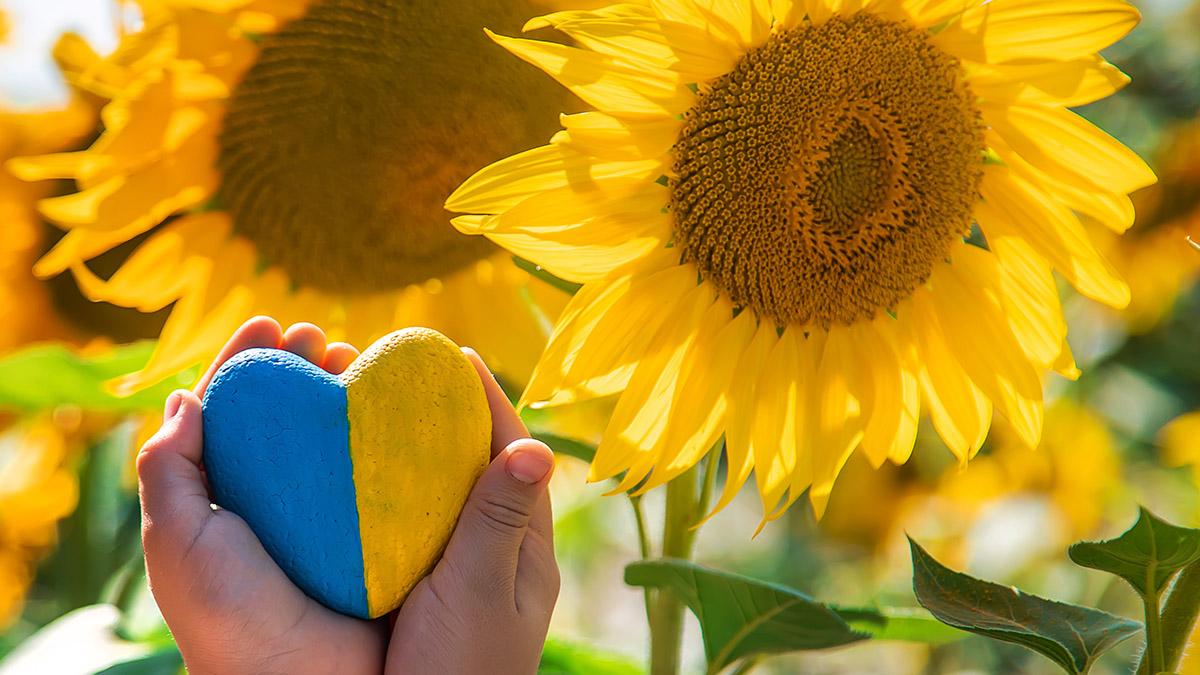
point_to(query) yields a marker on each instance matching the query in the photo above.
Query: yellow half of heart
(409, 393)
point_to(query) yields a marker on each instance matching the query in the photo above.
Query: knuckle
(505, 512)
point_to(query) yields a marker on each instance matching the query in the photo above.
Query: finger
(261, 331)
(507, 427)
(486, 544)
(171, 485)
(305, 340)
(506, 424)
(338, 357)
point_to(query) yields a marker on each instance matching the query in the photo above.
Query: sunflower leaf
(47, 376)
(1070, 635)
(742, 617)
(1147, 555)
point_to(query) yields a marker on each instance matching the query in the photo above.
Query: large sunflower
(798, 224)
(291, 158)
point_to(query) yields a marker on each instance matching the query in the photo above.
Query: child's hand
(485, 608)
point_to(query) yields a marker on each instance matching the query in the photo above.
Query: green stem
(666, 620)
(1154, 647)
(1178, 619)
(639, 517)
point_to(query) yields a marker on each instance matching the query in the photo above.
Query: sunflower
(36, 491)
(797, 224)
(291, 158)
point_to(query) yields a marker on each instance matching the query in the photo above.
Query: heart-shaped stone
(353, 483)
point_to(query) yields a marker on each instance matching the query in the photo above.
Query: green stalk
(643, 547)
(666, 620)
(1177, 620)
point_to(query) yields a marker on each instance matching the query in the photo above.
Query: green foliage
(1148, 555)
(166, 661)
(1070, 635)
(539, 272)
(901, 624)
(46, 376)
(560, 657)
(741, 617)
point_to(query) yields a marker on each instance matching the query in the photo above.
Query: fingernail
(173, 405)
(528, 467)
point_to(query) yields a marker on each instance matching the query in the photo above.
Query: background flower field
(73, 595)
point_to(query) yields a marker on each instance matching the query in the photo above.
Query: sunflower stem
(666, 620)
(639, 517)
(1178, 619)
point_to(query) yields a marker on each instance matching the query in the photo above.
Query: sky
(28, 77)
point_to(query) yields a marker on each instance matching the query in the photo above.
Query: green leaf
(742, 617)
(560, 657)
(1070, 635)
(165, 661)
(47, 376)
(900, 623)
(1146, 556)
(539, 272)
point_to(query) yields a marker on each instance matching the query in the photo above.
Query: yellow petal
(891, 404)
(585, 236)
(1061, 83)
(604, 331)
(1014, 207)
(838, 427)
(1114, 210)
(743, 409)
(1069, 148)
(608, 137)
(607, 84)
(501, 186)
(1010, 30)
(781, 409)
(707, 372)
(960, 412)
(634, 436)
(972, 319)
(1030, 298)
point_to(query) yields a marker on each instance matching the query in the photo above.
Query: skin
(485, 607)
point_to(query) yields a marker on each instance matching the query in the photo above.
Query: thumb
(486, 544)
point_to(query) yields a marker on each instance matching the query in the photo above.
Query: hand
(229, 606)
(485, 608)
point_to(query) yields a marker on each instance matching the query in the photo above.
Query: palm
(262, 610)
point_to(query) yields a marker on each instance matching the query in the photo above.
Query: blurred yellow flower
(788, 265)
(37, 489)
(1180, 441)
(291, 159)
(1076, 471)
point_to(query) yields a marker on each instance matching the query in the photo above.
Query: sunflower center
(821, 179)
(355, 122)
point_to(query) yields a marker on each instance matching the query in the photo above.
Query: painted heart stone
(352, 482)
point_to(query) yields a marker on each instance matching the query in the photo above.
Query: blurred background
(73, 596)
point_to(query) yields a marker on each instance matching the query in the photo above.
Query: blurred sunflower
(771, 212)
(291, 158)
(37, 489)
(1075, 472)
(1180, 442)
